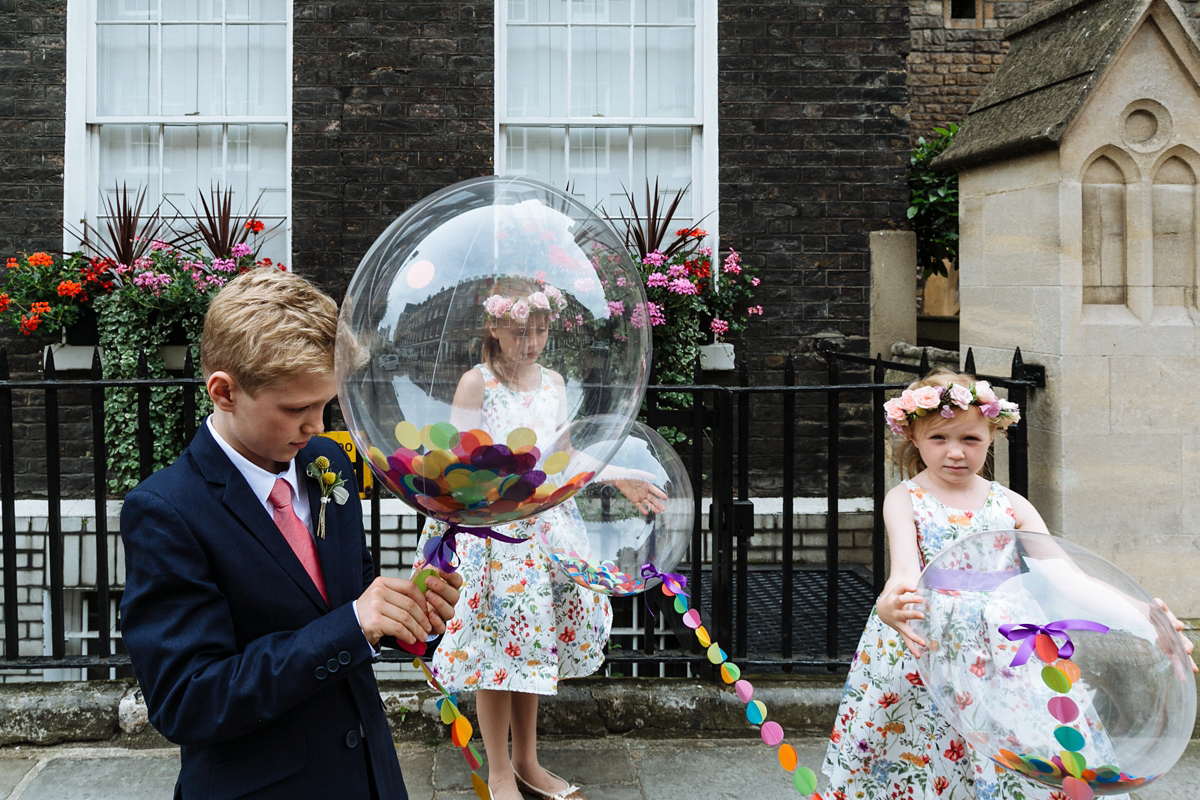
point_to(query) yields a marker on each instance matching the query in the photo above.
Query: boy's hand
(893, 609)
(440, 596)
(393, 607)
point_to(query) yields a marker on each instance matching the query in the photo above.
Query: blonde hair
(267, 327)
(906, 454)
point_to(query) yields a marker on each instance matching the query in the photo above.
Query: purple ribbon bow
(1027, 633)
(439, 551)
(674, 581)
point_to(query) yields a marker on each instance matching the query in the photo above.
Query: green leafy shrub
(933, 204)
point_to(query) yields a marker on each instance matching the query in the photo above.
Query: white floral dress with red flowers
(516, 627)
(888, 740)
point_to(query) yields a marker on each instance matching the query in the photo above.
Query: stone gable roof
(1056, 56)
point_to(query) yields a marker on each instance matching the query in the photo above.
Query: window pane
(599, 71)
(537, 11)
(600, 165)
(256, 75)
(666, 12)
(127, 63)
(256, 10)
(192, 10)
(126, 10)
(537, 152)
(666, 64)
(128, 156)
(610, 11)
(535, 57)
(191, 164)
(258, 167)
(666, 154)
(191, 69)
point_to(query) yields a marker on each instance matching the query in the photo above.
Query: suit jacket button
(352, 739)
(344, 658)
(332, 665)
(321, 673)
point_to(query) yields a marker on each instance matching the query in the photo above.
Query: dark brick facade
(391, 102)
(814, 147)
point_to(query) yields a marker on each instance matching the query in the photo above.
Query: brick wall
(814, 147)
(392, 101)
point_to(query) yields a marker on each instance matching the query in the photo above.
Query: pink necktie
(296, 533)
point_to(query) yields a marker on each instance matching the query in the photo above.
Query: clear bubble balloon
(619, 549)
(1054, 663)
(478, 332)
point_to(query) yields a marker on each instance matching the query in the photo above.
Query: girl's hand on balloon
(1188, 645)
(645, 496)
(896, 608)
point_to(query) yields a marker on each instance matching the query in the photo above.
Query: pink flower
(584, 284)
(615, 308)
(539, 302)
(520, 310)
(676, 271)
(983, 392)
(656, 314)
(654, 259)
(240, 250)
(960, 396)
(752, 310)
(733, 263)
(755, 281)
(497, 306)
(655, 279)
(927, 397)
(906, 401)
(682, 286)
(556, 296)
(719, 326)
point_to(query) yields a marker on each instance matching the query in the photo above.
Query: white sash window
(180, 96)
(605, 94)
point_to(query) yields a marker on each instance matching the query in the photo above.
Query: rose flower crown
(548, 300)
(915, 403)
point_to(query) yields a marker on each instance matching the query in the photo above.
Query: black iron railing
(775, 616)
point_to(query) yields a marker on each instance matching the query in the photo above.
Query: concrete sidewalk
(609, 768)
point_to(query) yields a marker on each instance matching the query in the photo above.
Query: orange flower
(41, 259)
(39, 308)
(70, 289)
(255, 226)
(29, 324)
(3, 302)
(13, 263)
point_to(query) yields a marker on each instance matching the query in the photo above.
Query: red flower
(914, 679)
(41, 260)
(4, 302)
(13, 263)
(567, 636)
(255, 226)
(963, 699)
(941, 783)
(70, 289)
(978, 667)
(29, 324)
(39, 308)
(889, 699)
(500, 676)
(513, 649)
(955, 752)
(473, 603)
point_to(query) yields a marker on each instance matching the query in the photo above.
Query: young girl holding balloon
(888, 739)
(517, 629)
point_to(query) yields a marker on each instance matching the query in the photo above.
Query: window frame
(81, 162)
(704, 168)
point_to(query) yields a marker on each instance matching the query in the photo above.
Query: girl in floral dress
(517, 630)
(888, 740)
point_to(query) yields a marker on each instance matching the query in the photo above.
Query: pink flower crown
(915, 403)
(549, 300)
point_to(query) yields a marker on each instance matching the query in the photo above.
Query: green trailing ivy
(933, 204)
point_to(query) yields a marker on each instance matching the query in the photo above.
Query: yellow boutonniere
(331, 486)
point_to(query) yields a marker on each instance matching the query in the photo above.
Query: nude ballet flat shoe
(572, 792)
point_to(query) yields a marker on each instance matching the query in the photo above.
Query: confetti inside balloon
(476, 257)
(1054, 663)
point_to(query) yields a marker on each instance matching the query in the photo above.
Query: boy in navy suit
(251, 624)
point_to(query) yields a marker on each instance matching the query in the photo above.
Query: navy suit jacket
(268, 690)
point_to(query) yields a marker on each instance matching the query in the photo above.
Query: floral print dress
(516, 626)
(889, 741)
